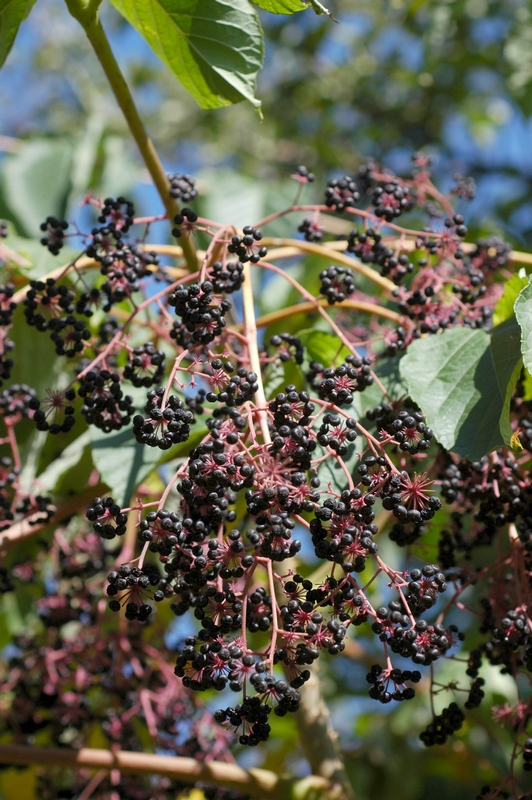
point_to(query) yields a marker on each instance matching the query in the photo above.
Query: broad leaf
(85, 159)
(36, 261)
(281, 374)
(123, 463)
(214, 47)
(36, 182)
(70, 459)
(508, 364)
(523, 312)
(119, 171)
(527, 386)
(387, 370)
(323, 347)
(461, 380)
(281, 6)
(505, 307)
(12, 13)
(330, 470)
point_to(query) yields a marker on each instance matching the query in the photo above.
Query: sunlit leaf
(12, 13)
(214, 47)
(323, 347)
(36, 182)
(281, 6)
(523, 312)
(505, 307)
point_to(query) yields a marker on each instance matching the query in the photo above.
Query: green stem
(87, 16)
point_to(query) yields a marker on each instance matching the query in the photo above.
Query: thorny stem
(88, 18)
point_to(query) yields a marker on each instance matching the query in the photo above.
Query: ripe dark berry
(246, 247)
(337, 283)
(55, 232)
(183, 187)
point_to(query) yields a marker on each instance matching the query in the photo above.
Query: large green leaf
(462, 380)
(523, 312)
(505, 307)
(12, 13)
(36, 182)
(281, 6)
(214, 47)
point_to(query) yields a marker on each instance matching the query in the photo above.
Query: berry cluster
(245, 247)
(337, 283)
(164, 425)
(339, 384)
(289, 450)
(201, 316)
(104, 403)
(55, 233)
(183, 187)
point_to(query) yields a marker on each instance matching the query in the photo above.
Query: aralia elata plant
(215, 442)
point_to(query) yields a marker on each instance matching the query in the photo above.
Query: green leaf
(120, 171)
(523, 312)
(214, 47)
(461, 380)
(330, 470)
(281, 6)
(508, 366)
(36, 364)
(85, 157)
(388, 372)
(70, 459)
(12, 13)
(281, 374)
(505, 307)
(527, 385)
(323, 347)
(37, 260)
(36, 182)
(123, 463)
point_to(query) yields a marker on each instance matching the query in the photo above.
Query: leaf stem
(87, 16)
(332, 255)
(304, 308)
(250, 331)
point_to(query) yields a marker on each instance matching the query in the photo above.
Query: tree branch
(23, 530)
(258, 783)
(319, 739)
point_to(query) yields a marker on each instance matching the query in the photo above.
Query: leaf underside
(12, 13)
(213, 47)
